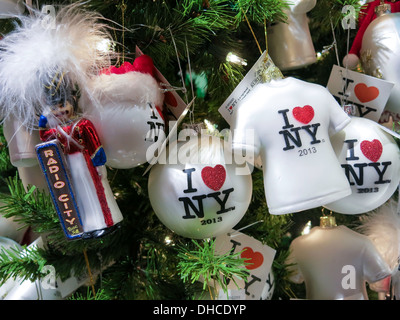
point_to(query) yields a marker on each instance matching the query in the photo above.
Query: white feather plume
(383, 228)
(39, 47)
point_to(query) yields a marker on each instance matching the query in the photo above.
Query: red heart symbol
(371, 149)
(255, 258)
(304, 114)
(214, 178)
(365, 93)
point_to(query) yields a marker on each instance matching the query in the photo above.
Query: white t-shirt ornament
(196, 192)
(290, 44)
(290, 122)
(335, 263)
(370, 158)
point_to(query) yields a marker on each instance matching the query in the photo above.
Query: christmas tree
(194, 45)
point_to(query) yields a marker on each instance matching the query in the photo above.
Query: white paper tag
(259, 255)
(359, 94)
(252, 78)
(233, 294)
(172, 134)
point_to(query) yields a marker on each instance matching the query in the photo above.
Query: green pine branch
(200, 262)
(88, 294)
(260, 11)
(30, 208)
(24, 265)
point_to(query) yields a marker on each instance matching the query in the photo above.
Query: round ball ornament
(370, 159)
(195, 191)
(126, 108)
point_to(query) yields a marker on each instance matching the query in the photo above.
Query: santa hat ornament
(41, 46)
(127, 112)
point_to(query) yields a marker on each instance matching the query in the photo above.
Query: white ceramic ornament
(380, 51)
(289, 43)
(370, 159)
(288, 123)
(127, 115)
(201, 195)
(334, 263)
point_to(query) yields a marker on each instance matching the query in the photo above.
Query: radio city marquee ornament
(52, 161)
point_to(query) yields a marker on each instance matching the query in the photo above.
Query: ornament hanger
(327, 221)
(271, 71)
(237, 232)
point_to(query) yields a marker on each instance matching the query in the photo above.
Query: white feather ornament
(42, 46)
(383, 228)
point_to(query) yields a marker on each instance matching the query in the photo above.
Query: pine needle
(202, 263)
(24, 265)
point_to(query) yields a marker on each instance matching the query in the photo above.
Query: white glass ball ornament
(380, 52)
(370, 159)
(126, 110)
(195, 192)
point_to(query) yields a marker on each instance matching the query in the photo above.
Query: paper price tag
(263, 66)
(232, 294)
(359, 94)
(157, 149)
(253, 77)
(176, 112)
(259, 258)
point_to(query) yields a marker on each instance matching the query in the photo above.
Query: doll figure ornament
(97, 210)
(41, 66)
